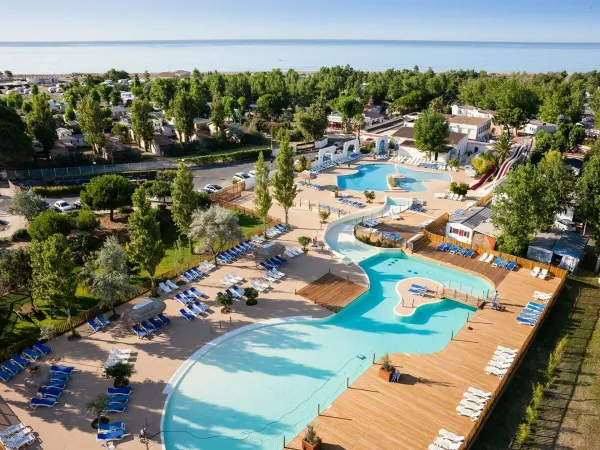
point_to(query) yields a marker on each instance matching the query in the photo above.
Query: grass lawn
(568, 415)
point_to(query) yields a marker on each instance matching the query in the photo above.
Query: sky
(463, 20)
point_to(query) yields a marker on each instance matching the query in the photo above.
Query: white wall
(322, 143)
(458, 237)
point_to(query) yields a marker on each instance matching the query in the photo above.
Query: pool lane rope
(248, 434)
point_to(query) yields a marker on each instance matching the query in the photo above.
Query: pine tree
(185, 199)
(284, 188)
(262, 197)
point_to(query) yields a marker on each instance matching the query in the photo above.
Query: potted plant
(96, 409)
(304, 241)
(324, 215)
(311, 440)
(369, 196)
(251, 295)
(386, 370)
(120, 372)
(226, 301)
(335, 189)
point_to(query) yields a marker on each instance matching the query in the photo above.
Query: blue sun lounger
(418, 286)
(94, 325)
(32, 354)
(48, 402)
(441, 246)
(102, 320)
(280, 260)
(534, 305)
(60, 376)
(420, 292)
(189, 296)
(115, 435)
(164, 319)
(186, 277)
(238, 290)
(10, 366)
(60, 384)
(62, 369)
(119, 398)
(200, 306)
(182, 299)
(116, 407)
(503, 263)
(197, 272)
(156, 323)
(511, 265)
(222, 259)
(196, 292)
(107, 427)
(195, 310)
(122, 390)
(233, 294)
(525, 321)
(5, 376)
(470, 253)
(266, 266)
(497, 261)
(52, 392)
(140, 333)
(148, 327)
(18, 359)
(454, 248)
(187, 315)
(461, 251)
(42, 348)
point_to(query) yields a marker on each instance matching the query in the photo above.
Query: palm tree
(358, 122)
(502, 148)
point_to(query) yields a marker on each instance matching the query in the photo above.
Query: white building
(42, 80)
(462, 228)
(404, 138)
(535, 125)
(471, 111)
(477, 128)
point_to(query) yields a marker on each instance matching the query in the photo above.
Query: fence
(229, 193)
(485, 414)
(89, 170)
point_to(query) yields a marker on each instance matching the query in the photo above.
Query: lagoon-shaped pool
(251, 390)
(373, 177)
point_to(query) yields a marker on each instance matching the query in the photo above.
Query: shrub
(58, 191)
(21, 235)
(120, 371)
(87, 220)
(311, 435)
(523, 432)
(531, 414)
(304, 241)
(386, 363)
(80, 243)
(453, 162)
(459, 188)
(324, 215)
(251, 296)
(369, 196)
(240, 155)
(48, 223)
(224, 300)
(481, 165)
(392, 181)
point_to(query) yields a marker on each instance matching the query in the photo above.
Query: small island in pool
(373, 177)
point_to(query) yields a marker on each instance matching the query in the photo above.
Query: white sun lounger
(257, 286)
(483, 257)
(475, 399)
(268, 277)
(479, 392)
(451, 436)
(434, 447)
(473, 415)
(490, 370)
(233, 277)
(503, 357)
(490, 258)
(543, 274)
(498, 364)
(227, 282)
(535, 272)
(163, 287)
(446, 443)
(471, 405)
(511, 351)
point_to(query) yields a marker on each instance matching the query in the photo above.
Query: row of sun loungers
(537, 295)
(273, 263)
(456, 249)
(530, 314)
(117, 356)
(392, 236)
(234, 252)
(471, 405)
(316, 168)
(373, 222)
(18, 363)
(347, 201)
(17, 436)
(417, 289)
(151, 326)
(416, 208)
(501, 361)
(98, 323)
(316, 187)
(504, 263)
(539, 273)
(117, 402)
(446, 440)
(277, 230)
(332, 209)
(48, 394)
(292, 252)
(110, 431)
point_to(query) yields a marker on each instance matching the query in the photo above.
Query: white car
(252, 173)
(565, 225)
(241, 176)
(213, 188)
(62, 206)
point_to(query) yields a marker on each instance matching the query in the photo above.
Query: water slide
(490, 172)
(518, 155)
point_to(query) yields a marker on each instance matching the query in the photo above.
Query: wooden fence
(485, 414)
(229, 193)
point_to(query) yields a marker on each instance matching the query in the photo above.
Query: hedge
(57, 191)
(229, 157)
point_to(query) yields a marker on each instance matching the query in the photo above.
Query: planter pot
(309, 446)
(385, 375)
(335, 194)
(103, 420)
(121, 383)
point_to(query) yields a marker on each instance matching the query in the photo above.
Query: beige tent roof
(268, 251)
(144, 311)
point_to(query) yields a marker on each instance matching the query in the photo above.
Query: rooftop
(473, 218)
(466, 120)
(409, 132)
(571, 244)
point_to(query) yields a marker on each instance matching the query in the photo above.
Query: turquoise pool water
(374, 178)
(253, 389)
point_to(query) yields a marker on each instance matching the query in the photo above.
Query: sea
(301, 55)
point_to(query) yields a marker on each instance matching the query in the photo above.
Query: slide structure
(516, 157)
(483, 179)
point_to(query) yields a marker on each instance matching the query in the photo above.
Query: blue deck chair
(535, 305)
(42, 348)
(265, 266)
(48, 402)
(140, 333)
(447, 247)
(50, 392)
(182, 299)
(116, 407)
(94, 325)
(18, 359)
(156, 323)
(454, 248)
(503, 263)
(238, 290)
(230, 255)
(233, 294)
(530, 312)
(60, 376)
(102, 320)
(10, 366)
(470, 253)
(32, 354)
(497, 261)
(186, 277)
(164, 319)
(5, 376)
(119, 398)
(418, 286)
(200, 306)
(196, 292)
(196, 311)
(121, 390)
(417, 292)
(280, 259)
(62, 369)
(197, 272)
(60, 384)
(461, 251)
(106, 427)
(441, 246)
(187, 315)
(220, 258)
(511, 265)
(526, 321)
(188, 296)
(148, 327)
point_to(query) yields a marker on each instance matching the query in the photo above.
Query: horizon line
(140, 41)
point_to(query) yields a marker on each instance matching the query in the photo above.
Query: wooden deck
(332, 292)
(408, 415)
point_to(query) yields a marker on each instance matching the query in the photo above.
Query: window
(462, 233)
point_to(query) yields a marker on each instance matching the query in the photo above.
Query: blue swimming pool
(253, 389)
(373, 177)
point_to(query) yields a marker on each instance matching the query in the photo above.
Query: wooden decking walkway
(332, 292)
(408, 415)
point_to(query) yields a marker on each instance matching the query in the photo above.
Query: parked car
(565, 225)
(208, 191)
(252, 173)
(46, 204)
(241, 176)
(62, 206)
(77, 203)
(213, 188)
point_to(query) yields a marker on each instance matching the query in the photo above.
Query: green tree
(40, 121)
(160, 189)
(217, 113)
(87, 220)
(27, 204)
(14, 100)
(106, 276)
(162, 92)
(93, 122)
(53, 280)
(559, 182)
(304, 241)
(69, 114)
(518, 119)
(359, 122)
(502, 118)
(107, 192)
(15, 270)
(312, 122)
(14, 142)
(185, 199)
(35, 90)
(183, 109)
(576, 136)
(267, 106)
(588, 197)
(595, 106)
(349, 107)
(251, 295)
(284, 188)
(502, 148)
(225, 300)
(47, 223)
(141, 122)
(216, 228)
(324, 215)
(145, 246)
(121, 131)
(262, 196)
(369, 196)
(431, 132)
(242, 107)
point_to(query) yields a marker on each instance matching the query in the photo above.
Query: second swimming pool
(373, 177)
(253, 389)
